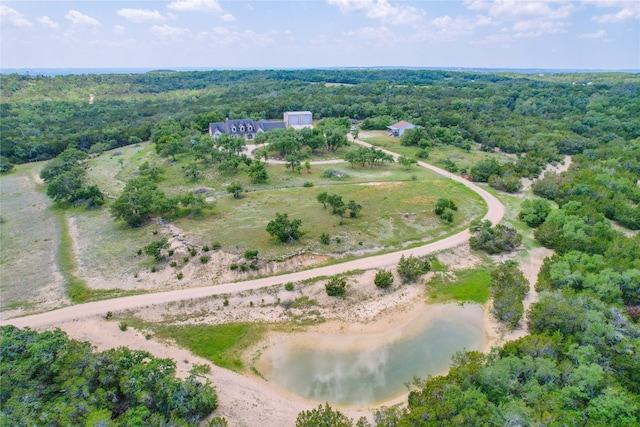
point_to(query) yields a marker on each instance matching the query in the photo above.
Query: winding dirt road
(244, 401)
(494, 214)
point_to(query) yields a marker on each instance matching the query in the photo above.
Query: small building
(243, 128)
(298, 119)
(398, 129)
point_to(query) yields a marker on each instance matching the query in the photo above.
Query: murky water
(362, 370)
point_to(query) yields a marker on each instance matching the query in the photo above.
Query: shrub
(185, 259)
(204, 259)
(123, 326)
(251, 255)
(153, 268)
(443, 204)
(412, 268)
(493, 240)
(447, 216)
(216, 245)
(325, 239)
(193, 251)
(383, 279)
(180, 275)
(336, 286)
(205, 248)
(289, 286)
(173, 264)
(225, 302)
(154, 248)
(308, 184)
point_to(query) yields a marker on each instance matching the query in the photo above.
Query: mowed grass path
(28, 240)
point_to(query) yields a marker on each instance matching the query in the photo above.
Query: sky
(214, 34)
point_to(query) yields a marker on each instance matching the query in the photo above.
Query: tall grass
(77, 288)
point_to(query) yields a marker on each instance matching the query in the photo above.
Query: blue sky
(552, 34)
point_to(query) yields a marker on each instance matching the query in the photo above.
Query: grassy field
(221, 344)
(437, 153)
(397, 208)
(464, 286)
(28, 240)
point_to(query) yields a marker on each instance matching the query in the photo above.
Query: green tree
(443, 204)
(286, 230)
(415, 136)
(66, 186)
(323, 198)
(323, 416)
(336, 138)
(354, 208)
(481, 171)
(110, 388)
(5, 165)
(407, 162)
(140, 199)
(235, 188)
(258, 172)
(534, 212)
(508, 288)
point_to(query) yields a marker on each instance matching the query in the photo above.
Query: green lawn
(466, 286)
(221, 344)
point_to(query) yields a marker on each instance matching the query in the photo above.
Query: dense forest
(580, 365)
(41, 116)
(48, 379)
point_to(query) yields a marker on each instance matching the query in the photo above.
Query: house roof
(228, 125)
(298, 112)
(400, 125)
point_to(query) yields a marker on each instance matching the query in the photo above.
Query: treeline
(48, 379)
(41, 116)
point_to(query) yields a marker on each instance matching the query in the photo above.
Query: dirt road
(495, 213)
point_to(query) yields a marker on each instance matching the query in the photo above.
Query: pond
(361, 370)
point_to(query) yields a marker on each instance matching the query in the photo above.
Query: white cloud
(48, 22)
(225, 36)
(537, 28)
(380, 9)
(119, 29)
(378, 34)
(141, 15)
(630, 13)
(80, 19)
(13, 18)
(597, 35)
(548, 9)
(195, 5)
(228, 17)
(168, 31)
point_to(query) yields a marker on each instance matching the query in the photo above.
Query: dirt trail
(243, 400)
(495, 212)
